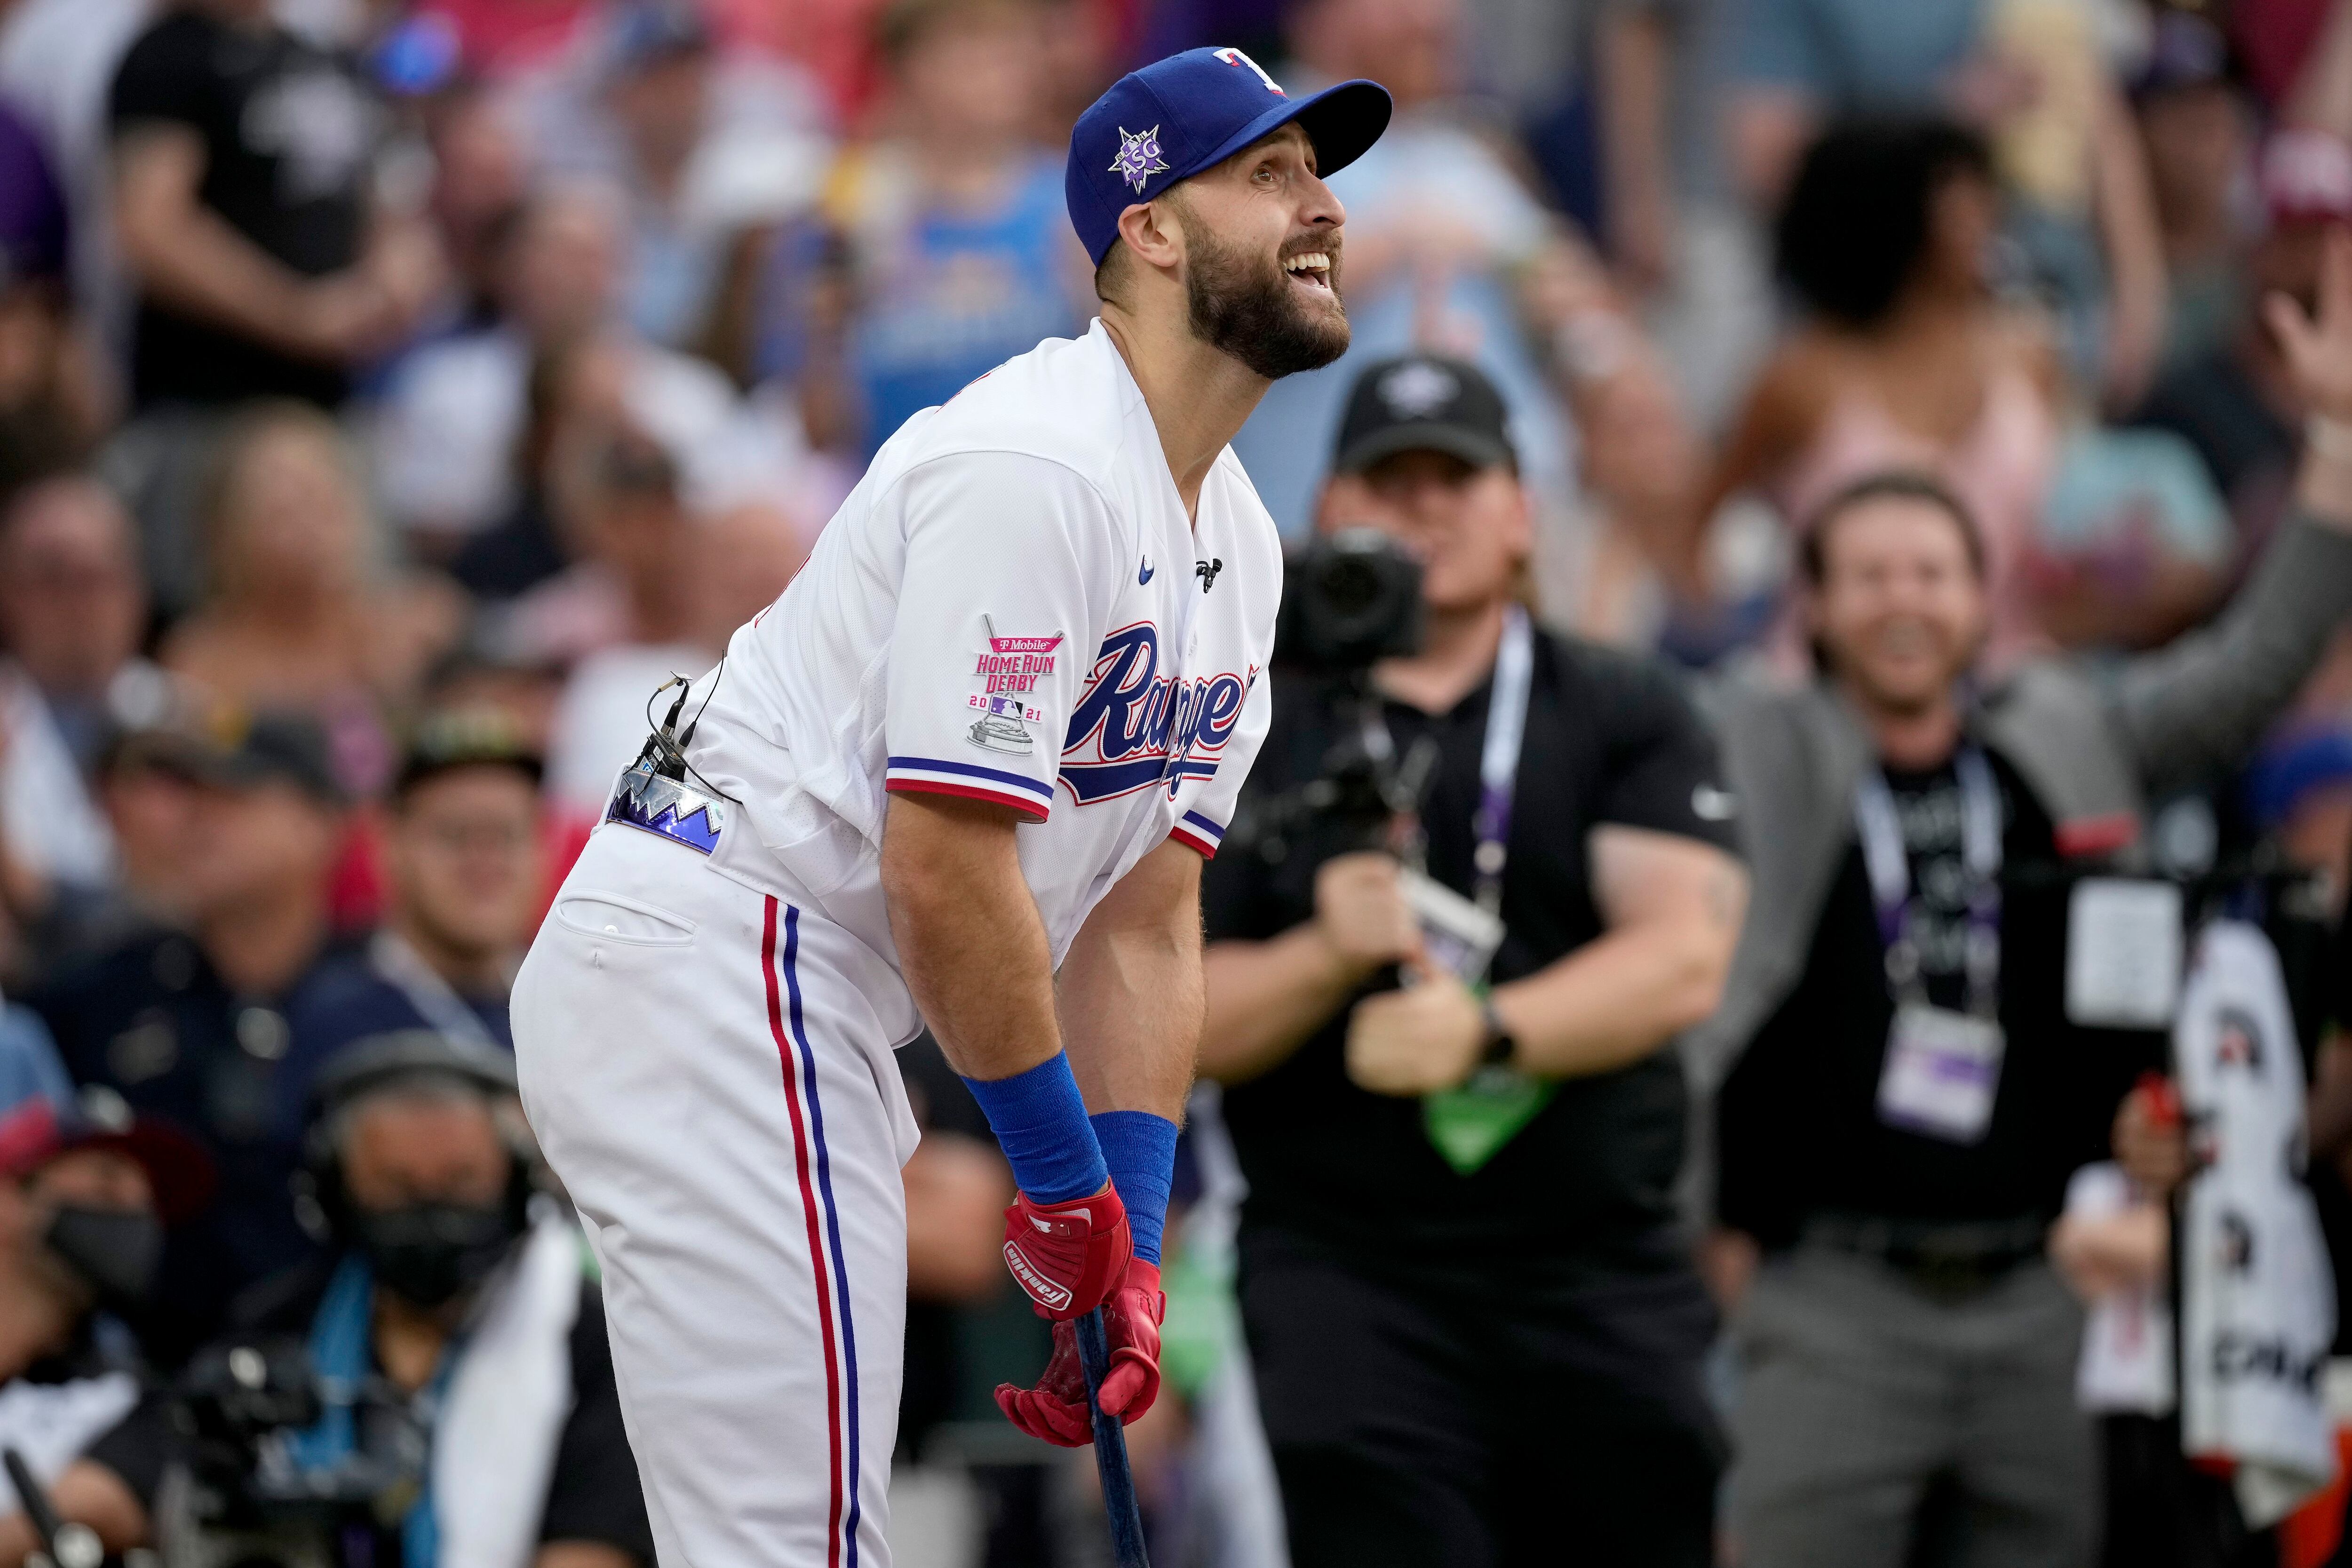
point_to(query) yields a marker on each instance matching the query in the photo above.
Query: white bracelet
(2329, 439)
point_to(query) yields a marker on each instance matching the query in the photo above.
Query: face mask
(116, 1251)
(428, 1253)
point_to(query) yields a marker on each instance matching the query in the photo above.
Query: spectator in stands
(942, 248)
(244, 165)
(1471, 1317)
(1905, 357)
(444, 440)
(2237, 403)
(49, 411)
(1917, 1084)
(85, 1193)
(733, 567)
(1447, 248)
(196, 1026)
(293, 616)
(2034, 79)
(244, 182)
(465, 857)
(2198, 128)
(446, 1280)
(72, 608)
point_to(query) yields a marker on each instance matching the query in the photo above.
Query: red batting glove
(1066, 1256)
(1055, 1409)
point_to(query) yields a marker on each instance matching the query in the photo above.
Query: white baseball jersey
(1013, 605)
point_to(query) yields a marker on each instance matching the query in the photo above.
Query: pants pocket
(616, 917)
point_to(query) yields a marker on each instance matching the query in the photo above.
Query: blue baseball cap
(1190, 111)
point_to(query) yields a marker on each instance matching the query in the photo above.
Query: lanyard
(1499, 758)
(1889, 867)
(401, 968)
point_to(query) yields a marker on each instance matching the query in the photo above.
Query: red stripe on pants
(815, 1244)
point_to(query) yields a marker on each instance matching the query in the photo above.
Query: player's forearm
(969, 941)
(1265, 998)
(1129, 990)
(1617, 999)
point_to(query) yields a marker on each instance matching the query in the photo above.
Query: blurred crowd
(395, 394)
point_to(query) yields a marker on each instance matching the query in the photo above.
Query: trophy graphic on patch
(1002, 728)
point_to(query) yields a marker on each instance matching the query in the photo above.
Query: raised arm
(2197, 705)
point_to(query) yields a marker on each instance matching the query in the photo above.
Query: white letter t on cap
(1235, 57)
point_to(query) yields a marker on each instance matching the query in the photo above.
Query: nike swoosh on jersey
(1143, 574)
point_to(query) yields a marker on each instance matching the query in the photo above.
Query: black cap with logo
(1423, 403)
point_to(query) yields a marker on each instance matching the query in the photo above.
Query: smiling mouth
(1310, 268)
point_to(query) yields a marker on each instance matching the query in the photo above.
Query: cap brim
(1473, 446)
(1342, 122)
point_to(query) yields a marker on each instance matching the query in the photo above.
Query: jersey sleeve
(1010, 568)
(161, 79)
(1663, 771)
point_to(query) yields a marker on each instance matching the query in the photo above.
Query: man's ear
(1150, 231)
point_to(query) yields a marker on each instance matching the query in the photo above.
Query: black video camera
(241, 1406)
(1348, 600)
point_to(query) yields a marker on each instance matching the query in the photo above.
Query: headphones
(322, 1202)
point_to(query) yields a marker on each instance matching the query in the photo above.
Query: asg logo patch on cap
(1139, 156)
(1419, 390)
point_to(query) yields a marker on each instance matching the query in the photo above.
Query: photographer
(1471, 1316)
(469, 1409)
(1940, 1014)
(85, 1191)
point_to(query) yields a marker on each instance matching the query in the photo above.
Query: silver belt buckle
(668, 809)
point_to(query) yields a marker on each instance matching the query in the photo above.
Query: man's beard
(1242, 304)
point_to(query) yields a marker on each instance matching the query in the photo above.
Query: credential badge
(1139, 156)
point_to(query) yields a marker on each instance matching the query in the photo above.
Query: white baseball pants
(707, 1077)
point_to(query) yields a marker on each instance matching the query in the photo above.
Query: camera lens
(1350, 587)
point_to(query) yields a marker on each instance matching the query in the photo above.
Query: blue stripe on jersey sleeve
(970, 769)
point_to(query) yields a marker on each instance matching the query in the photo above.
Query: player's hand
(1418, 1040)
(1066, 1256)
(1056, 1410)
(1361, 915)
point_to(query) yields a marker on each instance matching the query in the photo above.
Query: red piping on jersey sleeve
(1025, 804)
(1191, 840)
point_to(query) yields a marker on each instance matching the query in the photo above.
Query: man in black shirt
(1940, 1005)
(244, 176)
(1475, 1328)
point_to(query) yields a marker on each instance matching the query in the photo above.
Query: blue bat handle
(1110, 1448)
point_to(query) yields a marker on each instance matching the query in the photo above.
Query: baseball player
(964, 771)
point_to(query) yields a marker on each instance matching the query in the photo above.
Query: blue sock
(1140, 1151)
(1040, 1122)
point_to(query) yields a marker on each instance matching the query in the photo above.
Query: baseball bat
(1110, 1448)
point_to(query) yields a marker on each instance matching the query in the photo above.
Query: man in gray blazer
(1916, 838)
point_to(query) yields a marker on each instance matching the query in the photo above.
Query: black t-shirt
(593, 1494)
(290, 134)
(1799, 1130)
(1609, 739)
